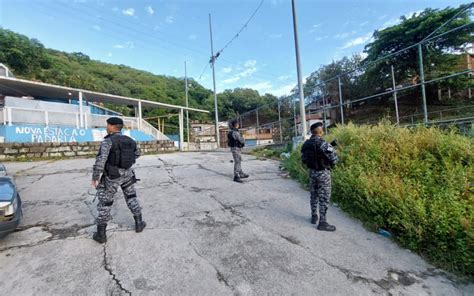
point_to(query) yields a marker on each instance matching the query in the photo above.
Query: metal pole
(298, 69)
(279, 120)
(340, 99)
(213, 59)
(187, 100)
(324, 116)
(422, 77)
(395, 95)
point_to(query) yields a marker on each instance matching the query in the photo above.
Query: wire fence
(424, 83)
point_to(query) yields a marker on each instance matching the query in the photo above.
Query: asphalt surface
(206, 235)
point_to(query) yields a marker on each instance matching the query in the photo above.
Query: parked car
(10, 204)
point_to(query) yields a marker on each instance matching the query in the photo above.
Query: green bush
(416, 183)
(271, 151)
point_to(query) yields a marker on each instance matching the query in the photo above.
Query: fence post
(422, 78)
(5, 116)
(279, 121)
(257, 128)
(46, 119)
(395, 95)
(294, 116)
(340, 99)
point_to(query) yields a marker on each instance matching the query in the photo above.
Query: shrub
(416, 183)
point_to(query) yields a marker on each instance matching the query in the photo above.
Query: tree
(439, 54)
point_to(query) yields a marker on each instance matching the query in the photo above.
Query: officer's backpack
(233, 142)
(122, 153)
(311, 154)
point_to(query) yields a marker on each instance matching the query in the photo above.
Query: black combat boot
(100, 236)
(314, 218)
(324, 226)
(244, 175)
(139, 223)
(237, 179)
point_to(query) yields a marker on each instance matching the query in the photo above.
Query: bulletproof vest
(312, 154)
(122, 153)
(231, 141)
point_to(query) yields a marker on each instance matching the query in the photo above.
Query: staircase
(151, 130)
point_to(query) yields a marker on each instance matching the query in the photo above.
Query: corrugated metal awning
(20, 87)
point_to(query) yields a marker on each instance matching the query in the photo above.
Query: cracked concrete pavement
(206, 235)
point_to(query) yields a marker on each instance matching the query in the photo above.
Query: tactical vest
(231, 141)
(121, 155)
(312, 155)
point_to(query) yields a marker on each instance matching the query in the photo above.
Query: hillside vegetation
(416, 183)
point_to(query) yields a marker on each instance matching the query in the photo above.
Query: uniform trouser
(237, 154)
(320, 187)
(106, 191)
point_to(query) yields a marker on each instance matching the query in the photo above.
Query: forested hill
(28, 58)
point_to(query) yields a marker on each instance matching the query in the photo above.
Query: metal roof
(20, 87)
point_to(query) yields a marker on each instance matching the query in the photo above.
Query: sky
(160, 35)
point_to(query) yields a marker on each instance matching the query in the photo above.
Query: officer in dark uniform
(236, 142)
(319, 156)
(113, 167)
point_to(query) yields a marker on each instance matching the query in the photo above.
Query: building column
(139, 114)
(81, 111)
(181, 130)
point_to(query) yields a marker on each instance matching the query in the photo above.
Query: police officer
(319, 156)
(113, 167)
(236, 142)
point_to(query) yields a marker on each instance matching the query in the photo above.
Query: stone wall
(26, 151)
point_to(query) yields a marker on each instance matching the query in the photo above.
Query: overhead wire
(108, 21)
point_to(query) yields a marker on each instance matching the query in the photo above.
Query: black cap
(233, 122)
(316, 125)
(115, 121)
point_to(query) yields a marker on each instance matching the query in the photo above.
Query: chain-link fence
(425, 83)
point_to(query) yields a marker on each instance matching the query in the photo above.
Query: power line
(262, 74)
(378, 60)
(240, 31)
(448, 21)
(214, 57)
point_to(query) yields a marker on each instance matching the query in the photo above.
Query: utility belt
(112, 172)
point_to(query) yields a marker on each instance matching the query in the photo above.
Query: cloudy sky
(159, 35)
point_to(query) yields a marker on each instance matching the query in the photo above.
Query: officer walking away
(113, 167)
(319, 156)
(236, 142)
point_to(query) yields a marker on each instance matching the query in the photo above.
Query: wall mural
(60, 134)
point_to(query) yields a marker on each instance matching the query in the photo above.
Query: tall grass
(416, 183)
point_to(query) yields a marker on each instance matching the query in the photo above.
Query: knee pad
(129, 197)
(107, 203)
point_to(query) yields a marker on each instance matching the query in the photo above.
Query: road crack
(107, 267)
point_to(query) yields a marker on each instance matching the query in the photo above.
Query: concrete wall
(26, 151)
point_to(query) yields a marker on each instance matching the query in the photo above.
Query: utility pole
(212, 61)
(298, 69)
(187, 101)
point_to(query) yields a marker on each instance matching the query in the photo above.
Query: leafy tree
(439, 57)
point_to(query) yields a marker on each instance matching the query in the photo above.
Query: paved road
(206, 235)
